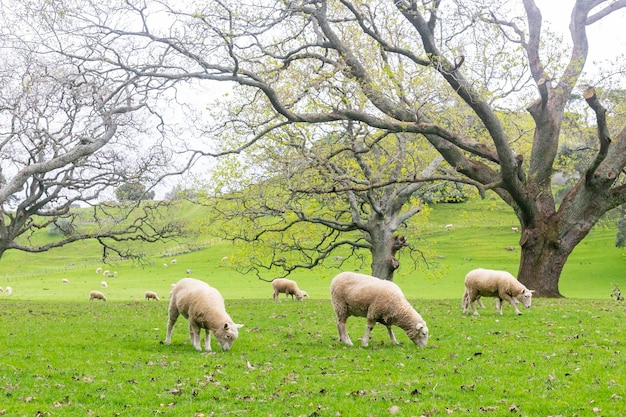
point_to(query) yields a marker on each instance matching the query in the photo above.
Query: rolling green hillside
(481, 236)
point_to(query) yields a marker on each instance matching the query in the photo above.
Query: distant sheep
(96, 295)
(492, 283)
(173, 262)
(514, 229)
(104, 284)
(151, 295)
(204, 307)
(164, 265)
(188, 271)
(8, 290)
(114, 274)
(65, 281)
(449, 226)
(378, 300)
(98, 270)
(287, 287)
(106, 272)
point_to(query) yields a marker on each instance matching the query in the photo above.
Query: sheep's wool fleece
(195, 295)
(360, 291)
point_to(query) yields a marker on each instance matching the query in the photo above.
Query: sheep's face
(526, 298)
(227, 335)
(420, 335)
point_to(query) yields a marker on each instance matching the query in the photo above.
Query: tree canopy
(444, 73)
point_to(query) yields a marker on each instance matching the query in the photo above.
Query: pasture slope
(61, 355)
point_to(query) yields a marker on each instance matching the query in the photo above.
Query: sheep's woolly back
(361, 295)
(288, 287)
(194, 296)
(490, 282)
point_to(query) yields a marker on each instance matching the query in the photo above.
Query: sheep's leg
(499, 305)
(172, 317)
(392, 336)
(471, 303)
(275, 296)
(343, 333)
(194, 334)
(368, 329)
(480, 302)
(514, 302)
(207, 341)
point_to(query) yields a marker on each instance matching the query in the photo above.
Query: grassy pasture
(561, 357)
(64, 356)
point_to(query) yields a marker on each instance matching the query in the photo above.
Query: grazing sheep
(164, 265)
(151, 295)
(288, 287)
(65, 281)
(98, 270)
(97, 295)
(104, 284)
(449, 226)
(204, 307)
(188, 271)
(8, 290)
(106, 272)
(499, 284)
(114, 274)
(378, 300)
(173, 261)
(514, 229)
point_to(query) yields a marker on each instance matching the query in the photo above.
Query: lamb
(204, 307)
(151, 295)
(65, 281)
(492, 283)
(288, 287)
(378, 300)
(96, 295)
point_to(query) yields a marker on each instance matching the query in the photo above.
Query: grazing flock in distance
(352, 294)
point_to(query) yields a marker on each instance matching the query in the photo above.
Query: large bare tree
(418, 66)
(69, 135)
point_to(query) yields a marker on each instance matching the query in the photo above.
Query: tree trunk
(545, 249)
(384, 246)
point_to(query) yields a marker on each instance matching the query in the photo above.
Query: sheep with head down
(204, 308)
(287, 287)
(379, 301)
(493, 283)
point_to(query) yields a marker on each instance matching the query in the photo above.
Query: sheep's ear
(239, 326)
(532, 291)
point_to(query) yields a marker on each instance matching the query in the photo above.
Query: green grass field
(61, 355)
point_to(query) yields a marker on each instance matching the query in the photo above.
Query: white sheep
(151, 295)
(96, 295)
(8, 290)
(65, 281)
(98, 270)
(378, 300)
(492, 283)
(173, 262)
(287, 287)
(449, 226)
(164, 265)
(106, 272)
(204, 307)
(104, 284)
(1, 290)
(515, 229)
